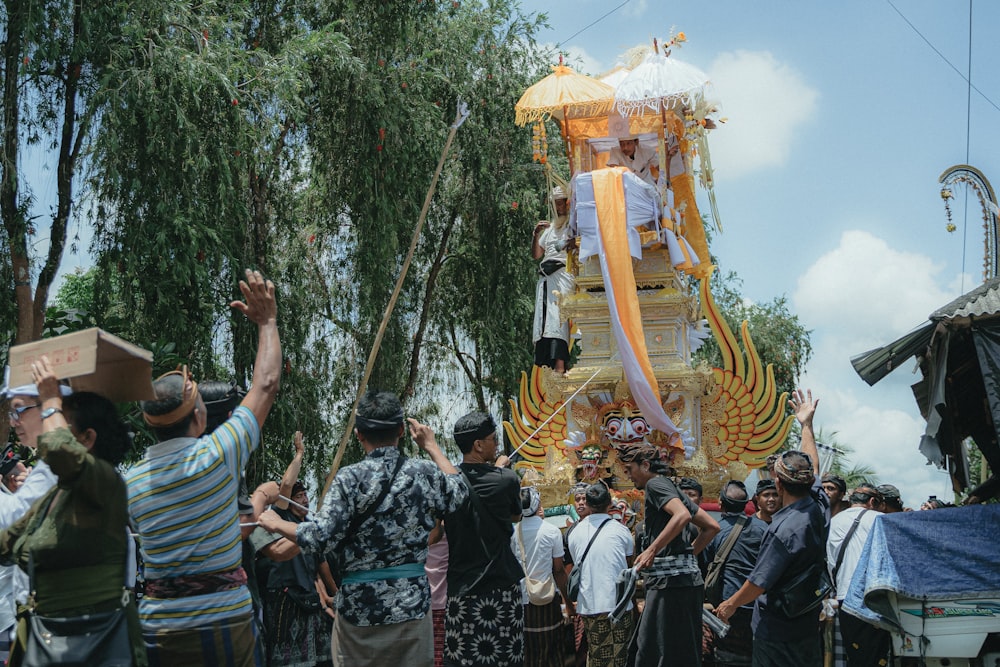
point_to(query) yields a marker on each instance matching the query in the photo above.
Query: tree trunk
(418, 337)
(13, 218)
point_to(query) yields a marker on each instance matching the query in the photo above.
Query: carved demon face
(624, 424)
(591, 463)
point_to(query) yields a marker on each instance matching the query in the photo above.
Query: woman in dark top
(76, 534)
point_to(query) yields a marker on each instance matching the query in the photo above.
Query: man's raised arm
(805, 408)
(260, 307)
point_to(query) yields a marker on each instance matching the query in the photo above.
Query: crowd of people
(410, 561)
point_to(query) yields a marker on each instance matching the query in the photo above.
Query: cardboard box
(92, 360)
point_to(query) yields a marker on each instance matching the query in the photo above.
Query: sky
(841, 119)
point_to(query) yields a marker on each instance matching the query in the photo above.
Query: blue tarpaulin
(944, 554)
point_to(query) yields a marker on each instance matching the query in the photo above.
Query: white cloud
(858, 296)
(766, 103)
(866, 291)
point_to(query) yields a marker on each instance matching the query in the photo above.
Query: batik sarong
(607, 644)
(486, 629)
(544, 634)
(406, 644)
(295, 637)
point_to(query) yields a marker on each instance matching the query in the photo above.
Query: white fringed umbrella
(658, 84)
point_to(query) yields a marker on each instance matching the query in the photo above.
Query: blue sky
(841, 120)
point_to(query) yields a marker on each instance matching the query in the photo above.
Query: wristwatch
(48, 412)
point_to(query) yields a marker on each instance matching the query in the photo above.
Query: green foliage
(778, 335)
(300, 138)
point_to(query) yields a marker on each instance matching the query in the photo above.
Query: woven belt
(187, 585)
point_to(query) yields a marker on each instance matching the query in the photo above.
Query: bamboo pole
(460, 117)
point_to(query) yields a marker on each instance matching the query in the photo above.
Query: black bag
(307, 601)
(713, 578)
(803, 593)
(91, 640)
(573, 587)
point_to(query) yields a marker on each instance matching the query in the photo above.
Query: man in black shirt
(484, 624)
(670, 629)
(737, 646)
(794, 545)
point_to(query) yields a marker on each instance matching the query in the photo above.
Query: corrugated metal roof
(984, 300)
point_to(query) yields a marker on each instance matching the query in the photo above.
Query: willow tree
(300, 138)
(53, 55)
(387, 126)
(198, 165)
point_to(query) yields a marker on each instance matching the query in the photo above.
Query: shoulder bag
(573, 589)
(713, 578)
(843, 548)
(540, 592)
(101, 638)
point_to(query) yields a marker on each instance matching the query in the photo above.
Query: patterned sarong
(438, 618)
(486, 629)
(229, 644)
(544, 634)
(295, 637)
(607, 644)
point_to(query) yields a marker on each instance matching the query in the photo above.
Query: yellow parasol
(562, 93)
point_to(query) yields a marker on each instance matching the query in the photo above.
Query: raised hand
(259, 304)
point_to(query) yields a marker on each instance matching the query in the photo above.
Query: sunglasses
(15, 413)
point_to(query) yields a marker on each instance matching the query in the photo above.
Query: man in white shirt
(609, 548)
(539, 548)
(860, 643)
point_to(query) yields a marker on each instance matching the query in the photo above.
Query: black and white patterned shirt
(395, 534)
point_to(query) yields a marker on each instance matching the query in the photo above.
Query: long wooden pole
(460, 117)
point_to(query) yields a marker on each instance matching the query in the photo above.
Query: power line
(941, 55)
(591, 25)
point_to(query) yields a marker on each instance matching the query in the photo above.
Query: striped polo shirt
(182, 500)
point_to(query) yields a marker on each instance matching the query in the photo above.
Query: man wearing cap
(182, 501)
(793, 550)
(893, 502)
(670, 627)
(484, 624)
(550, 333)
(26, 415)
(766, 500)
(608, 548)
(836, 488)
(375, 522)
(860, 643)
(736, 648)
